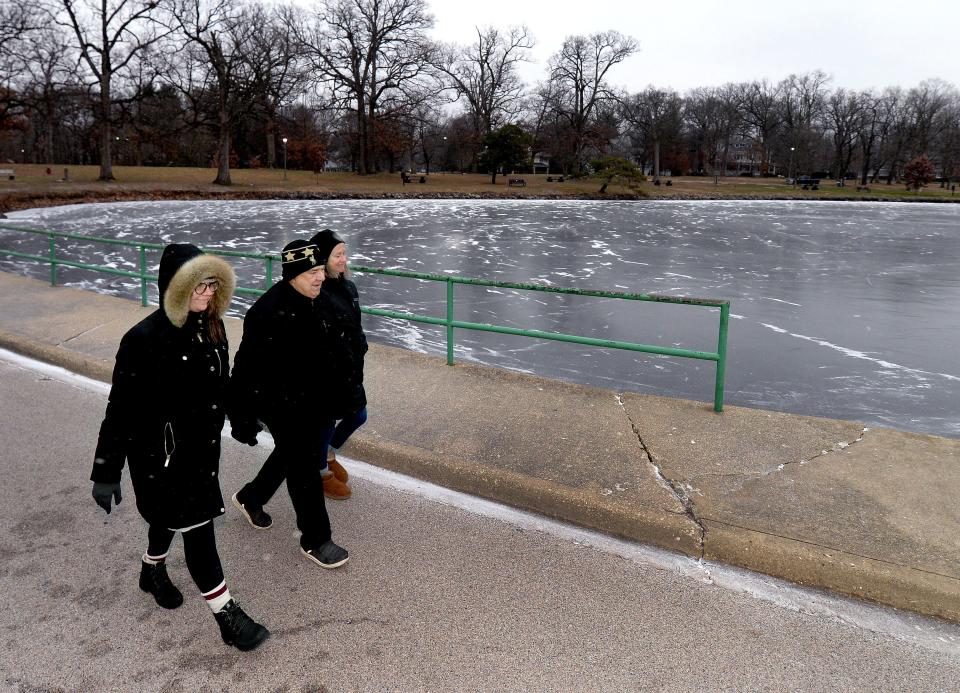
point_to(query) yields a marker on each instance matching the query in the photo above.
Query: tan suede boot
(337, 469)
(335, 489)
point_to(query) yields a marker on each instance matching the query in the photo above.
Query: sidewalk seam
(675, 487)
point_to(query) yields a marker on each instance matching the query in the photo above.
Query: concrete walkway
(871, 513)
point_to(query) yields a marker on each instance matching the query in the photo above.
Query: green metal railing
(719, 356)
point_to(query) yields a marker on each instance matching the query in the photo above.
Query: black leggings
(199, 550)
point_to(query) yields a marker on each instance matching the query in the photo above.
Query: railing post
(268, 272)
(53, 260)
(450, 321)
(721, 357)
(143, 277)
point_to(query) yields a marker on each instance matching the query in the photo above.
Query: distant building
(541, 162)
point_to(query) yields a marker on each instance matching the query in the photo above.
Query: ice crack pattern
(845, 310)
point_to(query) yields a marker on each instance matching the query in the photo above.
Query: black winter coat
(275, 371)
(166, 409)
(342, 303)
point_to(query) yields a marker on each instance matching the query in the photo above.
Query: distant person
(164, 416)
(348, 399)
(278, 378)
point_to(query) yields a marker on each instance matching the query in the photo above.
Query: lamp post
(793, 181)
(284, 140)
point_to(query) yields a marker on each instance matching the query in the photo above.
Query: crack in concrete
(80, 334)
(842, 445)
(678, 489)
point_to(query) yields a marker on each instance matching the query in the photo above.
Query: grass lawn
(34, 186)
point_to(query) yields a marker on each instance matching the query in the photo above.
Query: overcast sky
(690, 43)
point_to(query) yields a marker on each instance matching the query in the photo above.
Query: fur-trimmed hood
(182, 267)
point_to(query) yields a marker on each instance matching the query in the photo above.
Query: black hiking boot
(154, 579)
(238, 629)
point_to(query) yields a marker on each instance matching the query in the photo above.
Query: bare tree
(278, 70)
(896, 135)
(46, 86)
(367, 49)
(925, 103)
(656, 114)
(845, 113)
(949, 149)
(803, 98)
(871, 130)
(762, 116)
(579, 76)
(17, 18)
(485, 74)
(713, 115)
(109, 33)
(220, 34)
(538, 110)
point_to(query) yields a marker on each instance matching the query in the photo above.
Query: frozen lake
(845, 310)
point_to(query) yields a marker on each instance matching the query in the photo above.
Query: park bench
(7, 173)
(550, 179)
(516, 181)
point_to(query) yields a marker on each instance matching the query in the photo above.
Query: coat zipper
(173, 443)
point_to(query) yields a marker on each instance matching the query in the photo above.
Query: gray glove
(102, 493)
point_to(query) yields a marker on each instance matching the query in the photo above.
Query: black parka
(166, 406)
(275, 372)
(342, 304)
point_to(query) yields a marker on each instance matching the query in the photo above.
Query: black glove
(244, 432)
(103, 492)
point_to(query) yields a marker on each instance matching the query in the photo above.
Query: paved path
(434, 598)
(825, 503)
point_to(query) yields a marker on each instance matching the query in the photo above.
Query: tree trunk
(866, 169)
(271, 142)
(106, 165)
(361, 140)
(223, 165)
(656, 162)
(372, 163)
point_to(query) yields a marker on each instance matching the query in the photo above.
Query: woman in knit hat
(164, 417)
(342, 302)
(275, 381)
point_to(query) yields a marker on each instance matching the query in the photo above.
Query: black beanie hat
(299, 256)
(326, 241)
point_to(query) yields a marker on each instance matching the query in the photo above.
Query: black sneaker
(154, 579)
(327, 555)
(257, 517)
(238, 629)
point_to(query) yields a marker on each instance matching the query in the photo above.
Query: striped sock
(218, 597)
(154, 560)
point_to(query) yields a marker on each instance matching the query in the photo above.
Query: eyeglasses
(203, 286)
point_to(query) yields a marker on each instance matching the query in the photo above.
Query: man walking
(275, 381)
